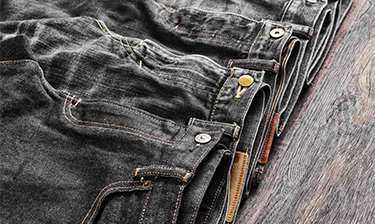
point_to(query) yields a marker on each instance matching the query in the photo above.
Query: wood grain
(321, 170)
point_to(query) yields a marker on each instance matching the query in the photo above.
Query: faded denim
(100, 112)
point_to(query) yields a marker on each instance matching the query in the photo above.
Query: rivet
(203, 138)
(277, 33)
(245, 80)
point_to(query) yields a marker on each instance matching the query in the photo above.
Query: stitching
(34, 62)
(178, 199)
(135, 111)
(204, 154)
(227, 14)
(111, 189)
(102, 128)
(147, 199)
(253, 60)
(108, 33)
(234, 133)
(256, 41)
(192, 122)
(286, 10)
(92, 206)
(239, 187)
(249, 65)
(161, 173)
(282, 74)
(310, 32)
(215, 124)
(278, 53)
(216, 193)
(217, 100)
(199, 199)
(164, 167)
(207, 34)
(14, 62)
(303, 32)
(277, 93)
(179, 141)
(114, 125)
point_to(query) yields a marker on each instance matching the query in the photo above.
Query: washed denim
(102, 114)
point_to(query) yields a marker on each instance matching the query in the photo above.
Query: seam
(310, 32)
(15, 62)
(253, 60)
(161, 173)
(112, 129)
(204, 154)
(96, 199)
(221, 92)
(199, 199)
(286, 38)
(303, 32)
(251, 53)
(206, 12)
(34, 62)
(164, 167)
(106, 31)
(277, 93)
(216, 194)
(114, 125)
(237, 193)
(282, 75)
(176, 207)
(249, 65)
(147, 199)
(207, 34)
(286, 10)
(135, 111)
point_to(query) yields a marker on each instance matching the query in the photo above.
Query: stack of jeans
(149, 111)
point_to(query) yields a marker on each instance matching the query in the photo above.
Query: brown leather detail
(237, 178)
(268, 143)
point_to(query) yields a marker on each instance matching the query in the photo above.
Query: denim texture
(101, 103)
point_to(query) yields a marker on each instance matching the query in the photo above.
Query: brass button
(245, 80)
(203, 138)
(277, 33)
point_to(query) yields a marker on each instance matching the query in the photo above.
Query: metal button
(203, 138)
(277, 33)
(245, 80)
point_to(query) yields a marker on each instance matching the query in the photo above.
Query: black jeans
(161, 116)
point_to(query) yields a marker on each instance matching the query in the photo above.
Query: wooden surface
(321, 170)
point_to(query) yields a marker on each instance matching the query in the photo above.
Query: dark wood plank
(322, 170)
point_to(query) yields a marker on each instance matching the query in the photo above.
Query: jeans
(163, 114)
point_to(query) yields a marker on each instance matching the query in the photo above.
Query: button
(203, 138)
(245, 80)
(276, 33)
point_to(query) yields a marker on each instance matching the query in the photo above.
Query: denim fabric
(100, 113)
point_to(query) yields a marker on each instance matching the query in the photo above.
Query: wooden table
(322, 169)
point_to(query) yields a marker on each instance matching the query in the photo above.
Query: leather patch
(268, 143)
(237, 178)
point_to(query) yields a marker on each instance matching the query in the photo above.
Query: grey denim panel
(112, 106)
(96, 96)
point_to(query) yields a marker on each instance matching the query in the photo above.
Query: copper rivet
(245, 80)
